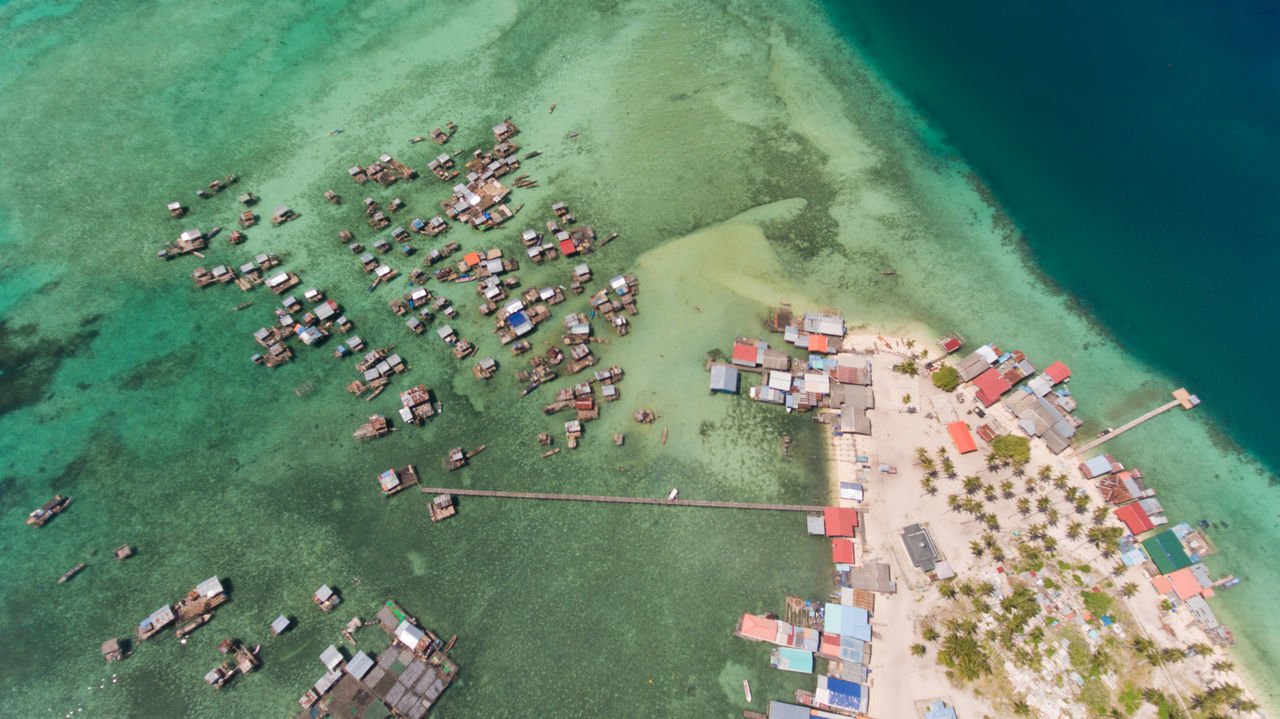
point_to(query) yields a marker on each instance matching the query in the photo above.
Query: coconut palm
(990, 541)
(1142, 645)
(1052, 517)
(1100, 515)
(1043, 504)
(1019, 466)
(1029, 483)
(921, 454)
(972, 484)
(929, 469)
(926, 483)
(1060, 482)
(1224, 665)
(1024, 506)
(947, 590)
(1082, 503)
(906, 399)
(928, 633)
(973, 506)
(1074, 529)
(1247, 706)
(948, 467)
(1021, 708)
(919, 649)
(989, 492)
(954, 503)
(993, 522)
(1006, 489)
(977, 549)
(1200, 648)
(993, 461)
(1049, 543)
(997, 554)
(1071, 493)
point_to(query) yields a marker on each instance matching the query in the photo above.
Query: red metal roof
(960, 435)
(840, 521)
(817, 343)
(842, 551)
(744, 353)
(990, 386)
(951, 344)
(1135, 518)
(1057, 372)
(567, 248)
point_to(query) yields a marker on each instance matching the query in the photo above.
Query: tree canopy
(946, 378)
(1012, 448)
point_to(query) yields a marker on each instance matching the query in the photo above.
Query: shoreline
(898, 617)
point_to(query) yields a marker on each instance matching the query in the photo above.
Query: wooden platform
(1182, 398)
(621, 500)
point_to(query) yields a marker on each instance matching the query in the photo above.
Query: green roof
(1166, 551)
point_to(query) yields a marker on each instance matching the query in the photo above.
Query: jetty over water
(622, 500)
(1181, 398)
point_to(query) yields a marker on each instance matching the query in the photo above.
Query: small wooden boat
(664, 435)
(336, 131)
(888, 273)
(573, 134)
(449, 645)
(48, 510)
(746, 689)
(241, 306)
(553, 108)
(475, 451)
(531, 155)
(416, 140)
(550, 452)
(70, 573)
(193, 625)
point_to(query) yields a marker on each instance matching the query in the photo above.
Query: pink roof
(744, 353)
(842, 551)
(830, 646)
(1185, 583)
(1057, 372)
(1162, 584)
(1135, 518)
(991, 384)
(758, 628)
(960, 435)
(840, 521)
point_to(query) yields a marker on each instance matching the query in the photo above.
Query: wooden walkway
(1128, 426)
(621, 500)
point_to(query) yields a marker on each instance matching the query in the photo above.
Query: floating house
(1101, 464)
(279, 626)
(326, 599)
(724, 378)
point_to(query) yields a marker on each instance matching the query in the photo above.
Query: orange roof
(830, 646)
(1057, 372)
(758, 628)
(840, 521)
(817, 343)
(1185, 583)
(960, 435)
(1162, 584)
(472, 259)
(567, 248)
(842, 551)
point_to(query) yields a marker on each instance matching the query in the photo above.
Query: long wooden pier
(1182, 398)
(621, 500)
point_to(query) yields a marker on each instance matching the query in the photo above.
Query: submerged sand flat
(744, 156)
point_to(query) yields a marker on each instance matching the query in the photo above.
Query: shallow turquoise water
(129, 389)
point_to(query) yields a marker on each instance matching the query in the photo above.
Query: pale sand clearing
(899, 680)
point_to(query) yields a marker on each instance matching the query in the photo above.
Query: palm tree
(993, 461)
(973, 506)
(927, 465)
(907, 367)
(1060, 482)
(1128, 589)
(1049, 543)
(1052, 517)
(1200, 648)
(997, 554)
(1224, 665)
(1142, 645)
(1006, 488)
(1024, 506)
(1043, 504)
(972, 484)
(948, 467)
(954, 503)
(976, 547)
(1100, 515)
(928, 633)
(1082, 503)
(1035, 531)
(1019, 466)
(906, 399)
(919, 649)
(1071, 493)
(1247, 706)
(1021, 707)
(926, 483)
(989, 492)
(921, 454)
(947, 590)
(1074, 529)
(993, 522)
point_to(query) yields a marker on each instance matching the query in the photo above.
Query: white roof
(618, 282)
(529, 234)
(406, 414)
(324, 592)
(209, 587)
(389, 479)
(192, 234)
(359, 665)
(409, 635)
(987, 353)
(582, 269)
(278, 279)
(280, 624)
(514, 306)
(418, 294)
(546, 293)
(331, 657)
(780, 381)
(382, 271)
(819, 383)
(444, 332)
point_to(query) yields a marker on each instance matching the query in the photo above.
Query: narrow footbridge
(621, 500)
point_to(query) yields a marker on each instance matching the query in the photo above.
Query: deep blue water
(1137, 145)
